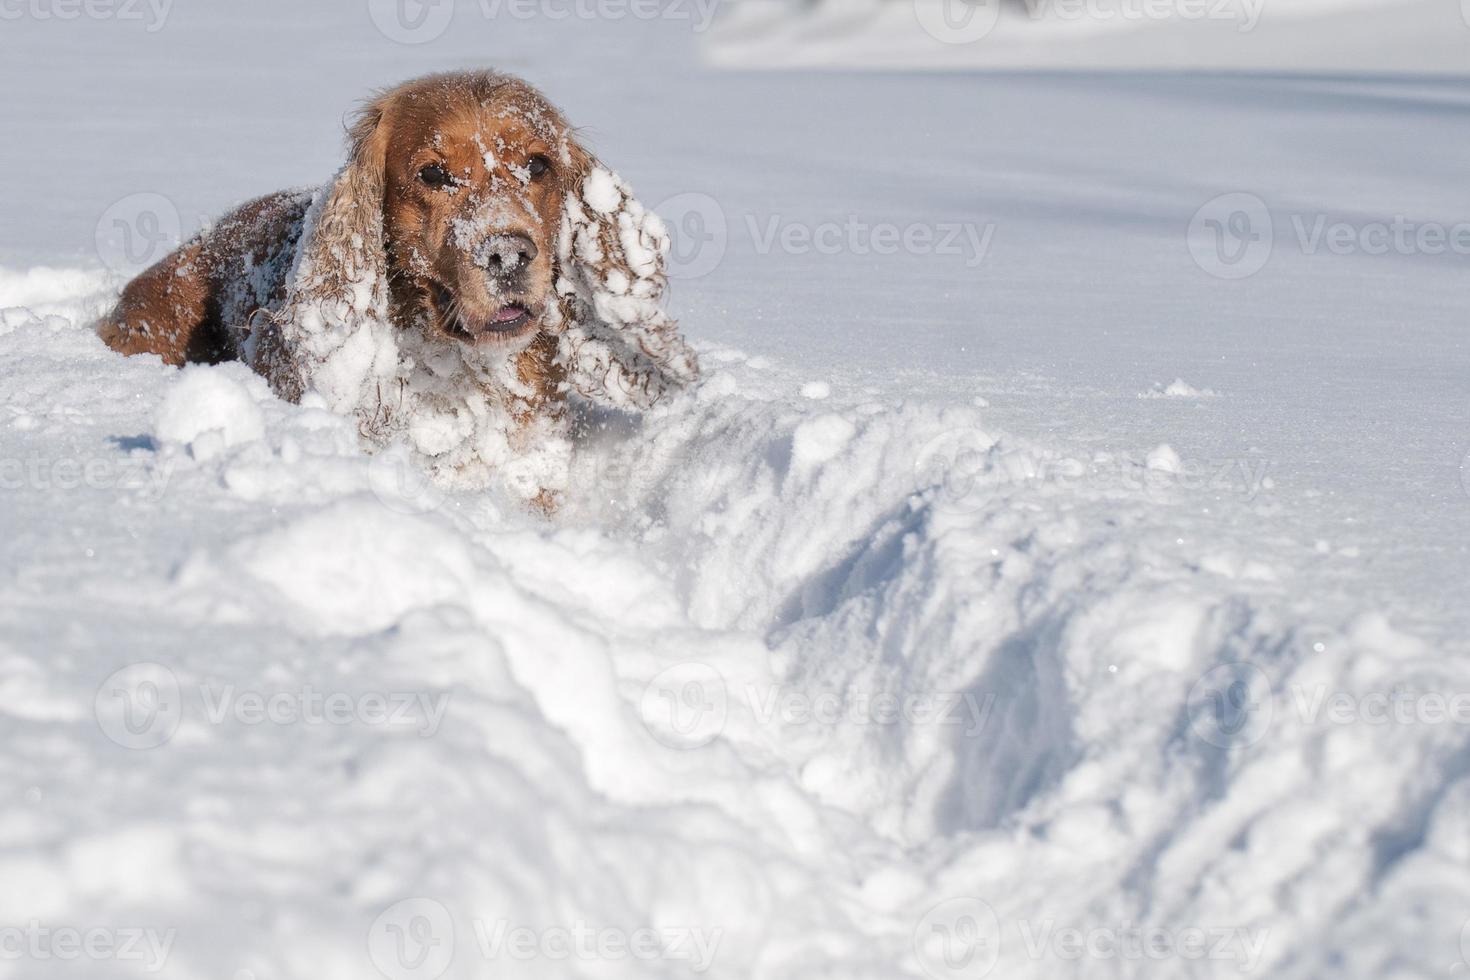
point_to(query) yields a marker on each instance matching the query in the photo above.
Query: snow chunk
(817, 440)
(209, 411)
(1164, 459)
(1178, 388)
(601, 191)
(816, 390)
(358, 568)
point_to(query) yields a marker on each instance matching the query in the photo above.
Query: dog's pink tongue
(508, 313)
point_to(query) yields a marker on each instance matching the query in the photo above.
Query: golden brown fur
(461, 222)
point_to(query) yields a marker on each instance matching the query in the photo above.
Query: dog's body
(469, 268)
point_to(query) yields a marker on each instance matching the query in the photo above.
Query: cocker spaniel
(469, 268)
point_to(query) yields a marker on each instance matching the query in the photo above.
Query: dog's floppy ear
(616, 343)
(338, 287)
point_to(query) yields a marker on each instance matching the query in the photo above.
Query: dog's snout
(505, 255)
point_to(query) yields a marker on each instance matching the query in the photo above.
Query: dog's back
(197, 304)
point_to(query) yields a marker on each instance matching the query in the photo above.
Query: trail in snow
(802, 678)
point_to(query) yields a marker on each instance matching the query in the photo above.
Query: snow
(215, 403)
(964, 643)
(1299, 36)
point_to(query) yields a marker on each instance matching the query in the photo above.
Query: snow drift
(802, 681)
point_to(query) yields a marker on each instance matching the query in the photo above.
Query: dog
(469, 270)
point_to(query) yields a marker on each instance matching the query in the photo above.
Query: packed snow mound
(1315, 36)
(801, 680)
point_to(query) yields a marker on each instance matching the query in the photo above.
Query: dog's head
(475, 169)
(469, 210)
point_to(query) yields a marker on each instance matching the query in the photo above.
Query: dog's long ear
(338, 287)
(616, 343)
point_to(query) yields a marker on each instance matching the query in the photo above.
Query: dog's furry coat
(372, 292)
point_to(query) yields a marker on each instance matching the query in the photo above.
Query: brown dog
(469, 267)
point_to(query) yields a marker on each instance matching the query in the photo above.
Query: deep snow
(968, 614)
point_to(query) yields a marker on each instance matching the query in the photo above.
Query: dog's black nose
(504, 255)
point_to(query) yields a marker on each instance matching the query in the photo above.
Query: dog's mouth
(507, 322)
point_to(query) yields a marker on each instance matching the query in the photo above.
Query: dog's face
(474, 183)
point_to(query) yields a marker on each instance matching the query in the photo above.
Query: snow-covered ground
(1058, 572)
(1295, 36)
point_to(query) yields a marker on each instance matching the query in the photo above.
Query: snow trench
(800, 681)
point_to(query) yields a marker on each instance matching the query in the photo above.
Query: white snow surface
(1295, 36)
(910, 642)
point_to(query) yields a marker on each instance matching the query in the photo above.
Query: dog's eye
(537, 165)
(436, 176)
